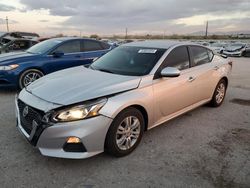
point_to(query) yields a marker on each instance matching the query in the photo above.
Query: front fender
(140, 96)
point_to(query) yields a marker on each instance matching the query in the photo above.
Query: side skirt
(178, 113)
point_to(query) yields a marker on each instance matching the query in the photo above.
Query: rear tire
(244, 54)
(125, 132)
(29, 76)
(219, 94)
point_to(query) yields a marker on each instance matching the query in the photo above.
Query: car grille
(28, 118)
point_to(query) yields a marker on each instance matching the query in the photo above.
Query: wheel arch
(141, 109)
(29, 68)
(226, 80)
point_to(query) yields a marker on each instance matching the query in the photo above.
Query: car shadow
(8, 91)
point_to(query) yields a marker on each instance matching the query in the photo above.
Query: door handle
(191, 78)
(216, 68)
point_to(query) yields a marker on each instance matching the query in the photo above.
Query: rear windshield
(127, 60)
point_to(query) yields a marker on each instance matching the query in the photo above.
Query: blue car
(21, 69)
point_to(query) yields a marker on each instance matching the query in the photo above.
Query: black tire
(22, 83)
(111, 145)
(214, 102)
(244, 53)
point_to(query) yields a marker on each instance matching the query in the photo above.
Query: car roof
(165, 44)
(9, 37)
(14, 39)
(24, 33)
(70, 38)
(3, 33)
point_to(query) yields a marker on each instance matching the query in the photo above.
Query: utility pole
(7, 23)
(126, 33)
(206, 30)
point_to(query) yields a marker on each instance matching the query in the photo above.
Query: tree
(94, 36)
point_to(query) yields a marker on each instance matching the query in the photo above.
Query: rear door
(93, 49)
(204, 72)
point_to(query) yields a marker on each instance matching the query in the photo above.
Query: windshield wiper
(30, 52)
(104, 70)
(91, 67)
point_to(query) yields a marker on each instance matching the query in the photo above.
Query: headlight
(79, 112)
(9, 67)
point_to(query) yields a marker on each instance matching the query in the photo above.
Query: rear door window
(88, 45)
(105, 45)
(200, 55)
(210, 55)
(69, 47)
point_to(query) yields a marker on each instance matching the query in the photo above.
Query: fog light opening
(74, 144)
(73, 140)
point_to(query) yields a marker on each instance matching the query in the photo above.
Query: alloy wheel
(128, 132)
(220, 93)
(30, 77)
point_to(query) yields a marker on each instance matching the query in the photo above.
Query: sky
(108, 17)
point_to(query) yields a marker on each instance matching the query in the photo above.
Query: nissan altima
(80, 112)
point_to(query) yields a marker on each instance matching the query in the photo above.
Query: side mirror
(223, 55)
(57, 54)
(170, 72)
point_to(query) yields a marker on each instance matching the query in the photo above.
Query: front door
(72, 56)
(173, 94)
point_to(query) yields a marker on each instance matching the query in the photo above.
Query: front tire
(219, 94)
(29, 76)
(125, 132)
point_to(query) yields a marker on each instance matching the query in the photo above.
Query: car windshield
(44, 46)
(236, 44)
(127, 60)
(2, 34)
(217, 45)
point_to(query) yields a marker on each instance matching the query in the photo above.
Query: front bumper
(234, 54)
(92, 133)
(8, 79)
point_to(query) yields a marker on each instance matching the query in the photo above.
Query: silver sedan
(80, 112)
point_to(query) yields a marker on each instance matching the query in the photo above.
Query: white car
(217, 47)
(80, 112)
(234, 49)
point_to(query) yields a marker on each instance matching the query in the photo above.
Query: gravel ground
(206, 147)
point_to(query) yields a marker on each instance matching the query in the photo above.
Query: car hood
(13, 56)
(80, 84)
(233, 48)
(215, 47)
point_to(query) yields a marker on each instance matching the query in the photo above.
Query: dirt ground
(206, 147)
